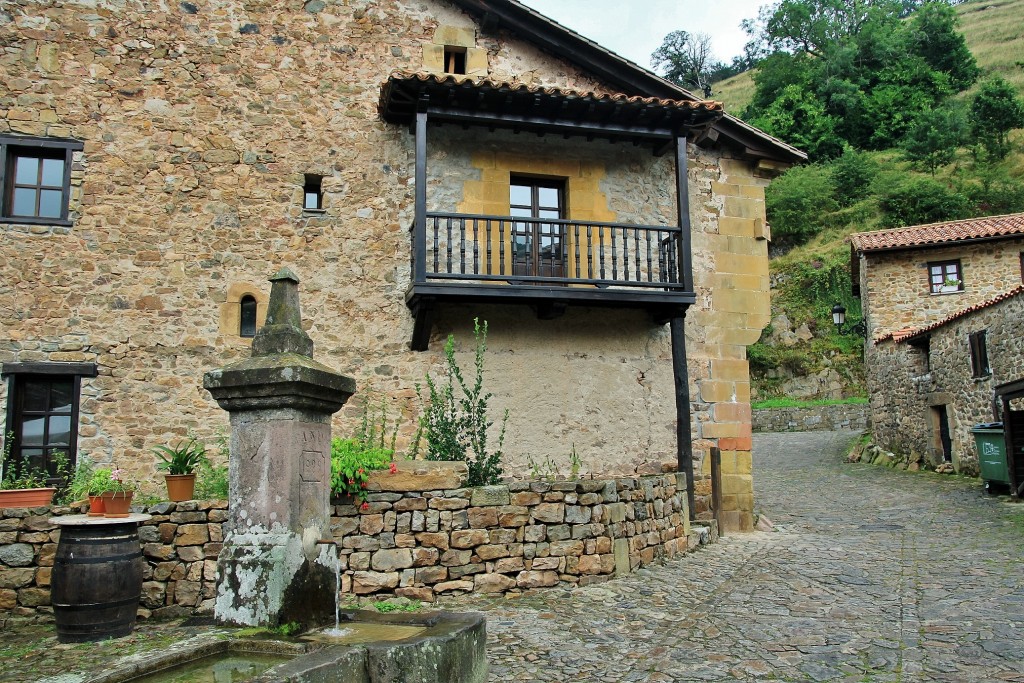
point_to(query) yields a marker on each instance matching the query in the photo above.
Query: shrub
(798, 203)
(456, 428)
(852, 174)
(351, 464)
(922, 200)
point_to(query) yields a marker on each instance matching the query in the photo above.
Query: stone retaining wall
(822, 418)
(495, 539)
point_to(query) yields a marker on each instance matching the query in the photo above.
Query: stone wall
(199, 125)
(419, 544)
(908, 390)
(820, 418)
(895, 291)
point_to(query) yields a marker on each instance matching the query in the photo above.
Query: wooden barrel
(97, 581)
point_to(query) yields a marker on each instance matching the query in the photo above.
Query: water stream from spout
(337, 631)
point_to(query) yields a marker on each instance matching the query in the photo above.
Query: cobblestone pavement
(871, 575)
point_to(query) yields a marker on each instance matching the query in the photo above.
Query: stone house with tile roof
(943, 310)
(418, 165)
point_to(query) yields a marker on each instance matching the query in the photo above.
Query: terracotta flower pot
(117, 504)
(180, 486)
(96, 507)
(26, 498)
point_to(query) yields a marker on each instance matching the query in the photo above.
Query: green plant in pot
(27, 486)
(115, 489)
(181, 463)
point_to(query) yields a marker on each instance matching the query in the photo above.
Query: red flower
(363, 484)
(351, 481)
(366, 506)
(361, 470)
(394, 468)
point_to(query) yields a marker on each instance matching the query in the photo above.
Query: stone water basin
(431, 647)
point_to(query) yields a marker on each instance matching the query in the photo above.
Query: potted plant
(950, 284)
(28, 487)
(181, 463)
(116, 490)
(78, 488)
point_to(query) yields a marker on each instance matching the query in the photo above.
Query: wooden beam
(683, 210)
(681, 377)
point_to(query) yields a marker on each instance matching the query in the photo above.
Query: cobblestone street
(871, 575)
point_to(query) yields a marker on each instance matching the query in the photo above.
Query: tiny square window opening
(312, 193)
(455, 60)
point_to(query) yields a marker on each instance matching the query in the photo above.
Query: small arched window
(247, 320)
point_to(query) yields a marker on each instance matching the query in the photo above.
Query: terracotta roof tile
(939, 233)
(453, 79)
(909, 333)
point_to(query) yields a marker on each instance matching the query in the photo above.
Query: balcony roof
(519, 106)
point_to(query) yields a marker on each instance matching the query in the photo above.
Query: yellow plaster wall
(583, 196)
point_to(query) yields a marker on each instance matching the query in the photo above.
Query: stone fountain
(274, 567)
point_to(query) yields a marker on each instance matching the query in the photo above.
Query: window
(35, 174)
(42, 412)
(247, 319)
(312, 193)
(945, 277)
(537, 247)
(979, 355)
(454, 60)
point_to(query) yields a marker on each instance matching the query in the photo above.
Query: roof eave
(618, 71)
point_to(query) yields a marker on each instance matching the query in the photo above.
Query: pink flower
(365, 506)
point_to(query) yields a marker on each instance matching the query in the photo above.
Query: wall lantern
(839, 318)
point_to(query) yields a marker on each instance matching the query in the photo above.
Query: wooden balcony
(547, 264)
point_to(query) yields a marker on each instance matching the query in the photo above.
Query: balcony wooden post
(683, 207)
(681, 375)
(419, 233)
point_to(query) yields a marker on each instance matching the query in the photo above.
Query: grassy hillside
(807, 280)
(994, 30)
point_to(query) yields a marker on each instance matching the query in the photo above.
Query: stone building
(944, 312)
(158, 166)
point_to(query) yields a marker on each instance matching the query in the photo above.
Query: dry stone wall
(820, 418)
(418, 544)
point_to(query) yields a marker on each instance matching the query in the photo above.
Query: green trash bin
(991, 454)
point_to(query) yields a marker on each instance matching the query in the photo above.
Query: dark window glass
(247, 325)
(945, 276)
(44, 414)
(979, 354)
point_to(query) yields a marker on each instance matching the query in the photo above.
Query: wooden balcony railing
(491, 250)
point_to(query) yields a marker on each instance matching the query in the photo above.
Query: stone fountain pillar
(273, 568)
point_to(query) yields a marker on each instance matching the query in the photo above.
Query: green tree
(934, 37)
(798, 204)
(799, 118)
(995, 111)
(852, 174)
(686, 60)
(922, 200)
(934, 137)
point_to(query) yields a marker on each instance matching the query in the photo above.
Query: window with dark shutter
(979, 355)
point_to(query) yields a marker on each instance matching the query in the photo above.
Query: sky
(636, 28)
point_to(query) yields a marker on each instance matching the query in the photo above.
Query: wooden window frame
(979, 354)
(18, 374)
(535, 183)
(936, 287)
(13, 147)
